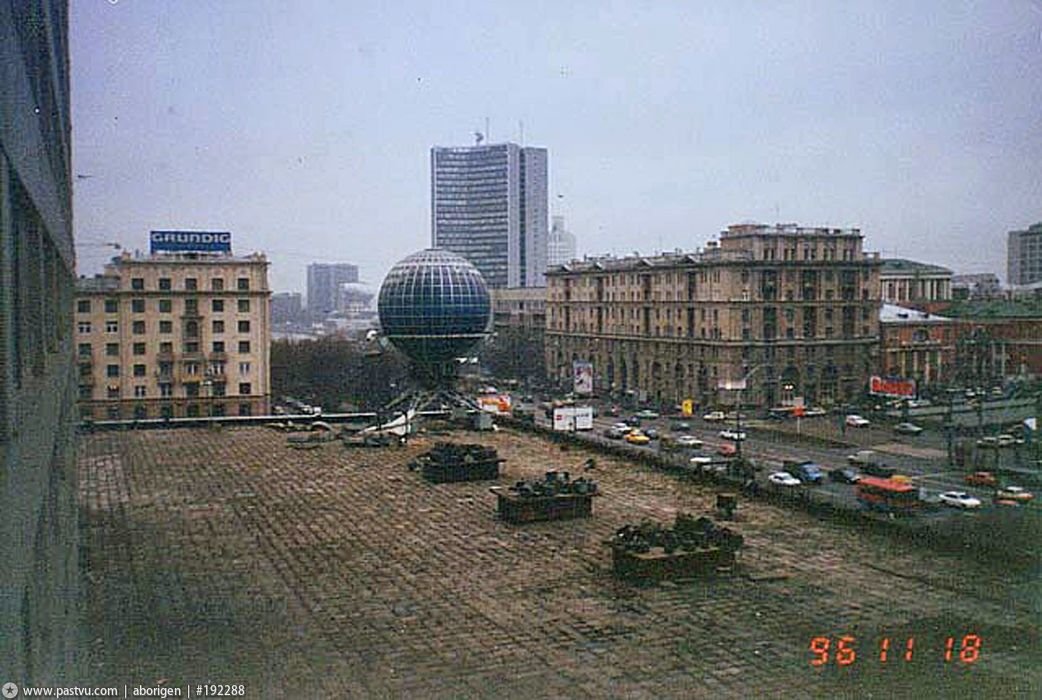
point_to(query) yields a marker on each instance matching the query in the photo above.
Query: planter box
(462, 471)
(517, 509)
(657, 565)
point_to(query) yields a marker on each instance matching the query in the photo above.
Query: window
(139, 370)
(166, 326)
(191, 284)
(193, 409)
(83, 306)
(191, 368)
(191, 307)
(112, 349)
(244, 306)
(217, 368)
(218, 346)
(244, 326)
(218, 305)
(111, 370)
(165, 306)
(164, 284)
(111, 327)
(191, 346)
(166, 348)
(137, 283)
(85, 392)
(166, 390)
(191, 390)
(84, 350)
(244, 389)
(244, 409)
(140, 412)
(112, 306)
(218, 327)
(139, 327)
(113, 411)
(218, 389)
(139, 348)
(217, 284)
(137, 306)
(244, 368)
(83, 326)
(242, 284)
(139, 392)
(244, 346)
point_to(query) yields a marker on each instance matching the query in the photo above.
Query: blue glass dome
(434, 306)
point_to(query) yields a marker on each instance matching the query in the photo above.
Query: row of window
(141, 412)
(140, 327)
(112, 349)
(164, 306)
(191, 284)
(217, 390)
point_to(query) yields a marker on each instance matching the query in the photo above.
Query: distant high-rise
(1024, 251)
(560, 247)
(324, 280)
(489, 204)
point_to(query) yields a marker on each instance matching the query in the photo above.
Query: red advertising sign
(891, 387)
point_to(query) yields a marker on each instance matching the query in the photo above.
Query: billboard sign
(190, 242)
(687, 407)
(568, 419)
(891, 386)
(495, 403)
(582, 373)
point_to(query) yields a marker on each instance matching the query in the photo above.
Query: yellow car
(636, 437)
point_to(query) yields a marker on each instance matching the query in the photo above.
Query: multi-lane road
(923, 458)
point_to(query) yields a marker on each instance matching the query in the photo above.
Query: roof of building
(892, 313)
(901, 266)
(996, 308)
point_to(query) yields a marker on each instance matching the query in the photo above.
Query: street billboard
(891, 386)
(582, 373)
(190, 242)
(568, 419)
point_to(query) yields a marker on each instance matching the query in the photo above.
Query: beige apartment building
(793, 310)
(174, 335)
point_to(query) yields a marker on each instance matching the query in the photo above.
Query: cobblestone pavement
(226, 556)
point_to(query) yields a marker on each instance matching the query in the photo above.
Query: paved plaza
(226, 556)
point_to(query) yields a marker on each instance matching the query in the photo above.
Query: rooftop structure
(1024, 253)
(914, 283)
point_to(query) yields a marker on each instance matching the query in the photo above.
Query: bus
(887, 495)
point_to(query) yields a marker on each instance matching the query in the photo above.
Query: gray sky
(304, 127)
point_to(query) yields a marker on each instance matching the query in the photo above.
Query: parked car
(907, 429)
(727, 450)
(856, 421)
(814, 411)
(732, 435)
(844, 475)
(981, 479)
(613, 433)
(680, 426)
(988, 443)
(959, 499)
(623, 427)
(647, 414)
(809, 472)
(863, 458)
(701, 460)
(635, 437)
(1014, 493)
(1006, 440)
(652, 433)
(714, 416)
(633, 421)
(880, 470)
(783, 479)
(687, 441)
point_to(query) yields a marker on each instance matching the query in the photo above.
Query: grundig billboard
(891, 386)
(190, 242)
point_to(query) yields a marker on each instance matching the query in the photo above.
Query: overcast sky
(304, 127)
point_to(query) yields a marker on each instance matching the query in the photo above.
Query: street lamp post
(741, 384)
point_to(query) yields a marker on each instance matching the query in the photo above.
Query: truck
(870, 463)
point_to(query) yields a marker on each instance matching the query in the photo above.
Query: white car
(714, 416)
(959, 499)
(701, 461)
(1006, 440)
(732, 435)
(622, 427)
(814, 411)
(688, 441)
(856, 421)
(783, 479)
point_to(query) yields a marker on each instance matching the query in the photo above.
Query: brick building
(796, 309)
(916, 345)
(174, 335)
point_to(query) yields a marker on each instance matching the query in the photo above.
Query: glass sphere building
(434, 306)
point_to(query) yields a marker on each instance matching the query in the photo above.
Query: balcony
(218, 357)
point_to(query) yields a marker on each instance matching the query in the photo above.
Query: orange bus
(887, 495)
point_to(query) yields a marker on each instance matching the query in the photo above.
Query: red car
(981, 479)
(727, 450)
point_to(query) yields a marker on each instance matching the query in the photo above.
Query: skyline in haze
(305, 130)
